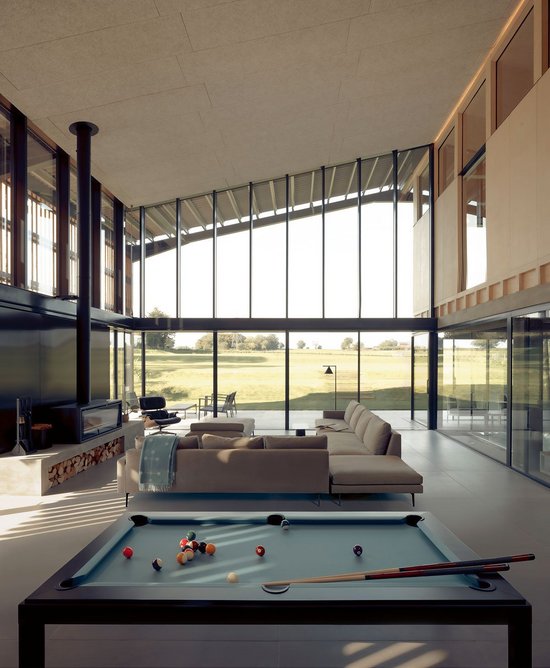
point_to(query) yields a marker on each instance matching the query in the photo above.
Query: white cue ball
(232, 577)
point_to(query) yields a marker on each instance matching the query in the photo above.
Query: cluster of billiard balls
(188, 547)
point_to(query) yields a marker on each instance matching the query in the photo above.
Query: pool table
(101, 586)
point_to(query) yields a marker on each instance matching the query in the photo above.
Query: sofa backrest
(350, 410)
(184, 442)
(296, 442)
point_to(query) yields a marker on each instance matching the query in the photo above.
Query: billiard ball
(181, 558)
(157, 564)
(232, 577)
(202, 547)
(357, 550)
(285, 524)
(189, 554)
(260, 550)
(191, 535)
(183, 543)
(194, 545)
(210, 548)
(128, 552)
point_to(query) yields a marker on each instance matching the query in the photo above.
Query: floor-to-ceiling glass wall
(473, 388)
(530, 396)
(421, 378)
(386, 371)
(252, 364)
(323, 373)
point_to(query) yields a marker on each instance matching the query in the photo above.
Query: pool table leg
(520, 646)
(32, 640)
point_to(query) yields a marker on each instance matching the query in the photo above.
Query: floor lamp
(329, 371)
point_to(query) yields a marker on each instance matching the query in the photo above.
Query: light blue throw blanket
(157, 464)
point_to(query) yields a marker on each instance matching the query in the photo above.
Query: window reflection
(41, 218)
(514, 70)
(531, 395)
(475, 225)
(473, 391)
(446, 161)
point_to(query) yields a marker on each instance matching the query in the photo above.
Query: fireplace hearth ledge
(31, 475)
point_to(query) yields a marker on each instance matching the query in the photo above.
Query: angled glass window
(446, 161)
(197, 260)
(377, 237)
(515, 69)
(341, 241)
(269, 249)
(132, 262)
(73, 232)
(473, 126)
(413, 264)
(474, 225)
(232, 253)
(160, 260)
(107, 253)
(5, 200)
(305, 246)
(41, 252)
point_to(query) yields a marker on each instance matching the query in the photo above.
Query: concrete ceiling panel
(191, 95)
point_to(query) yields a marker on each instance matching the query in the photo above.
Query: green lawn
(258, 377)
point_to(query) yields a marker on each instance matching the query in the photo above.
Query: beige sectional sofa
(354, 452)
(365, 454)
(218, 464)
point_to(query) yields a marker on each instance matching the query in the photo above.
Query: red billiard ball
(260, 550)
(357, 550)
(128, 552)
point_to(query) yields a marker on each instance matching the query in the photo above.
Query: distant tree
(230, 341)
(483, 344)
(300, 344)
(347, 343)
(204, 343)
(388, 344)
(159, 340)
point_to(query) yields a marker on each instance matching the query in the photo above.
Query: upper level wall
(518, 214)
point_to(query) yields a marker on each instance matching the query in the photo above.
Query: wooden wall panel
(446, 243)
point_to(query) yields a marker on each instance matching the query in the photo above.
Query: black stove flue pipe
(84, 132)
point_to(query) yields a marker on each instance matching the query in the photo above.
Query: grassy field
(258, 377)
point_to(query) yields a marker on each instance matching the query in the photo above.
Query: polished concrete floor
(491, 508)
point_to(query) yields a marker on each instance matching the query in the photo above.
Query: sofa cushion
(371, 470)
(345, 443)
(350, 409)
(377, 436)
(298, 442)
(362, 423)
(216, 426)
(356, 415)
(216, 442)
(184, 442)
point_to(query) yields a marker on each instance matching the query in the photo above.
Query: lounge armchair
(154, 408)
(220, 404)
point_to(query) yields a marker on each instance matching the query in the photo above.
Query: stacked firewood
(68, 468)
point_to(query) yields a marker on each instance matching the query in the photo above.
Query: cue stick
(424, 567)
(392, 573)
